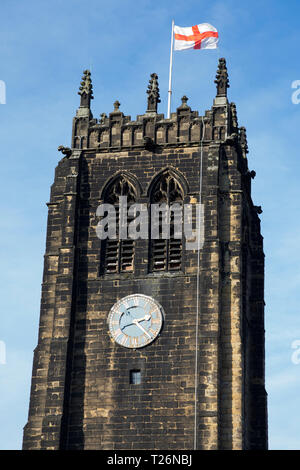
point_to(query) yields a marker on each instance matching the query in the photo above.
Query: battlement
(150, 130)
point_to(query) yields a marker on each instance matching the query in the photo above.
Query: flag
(201, 36)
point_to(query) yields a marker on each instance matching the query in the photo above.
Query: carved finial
(184, 101)
(184, 107)
(153, 94)
(86, 89)
(243, 140)
(222, 78)
(117, 104)
(102, 118)
(234, 120)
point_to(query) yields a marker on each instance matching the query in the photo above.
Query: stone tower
(143, 343)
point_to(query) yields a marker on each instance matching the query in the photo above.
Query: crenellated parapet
(117, 130)
(185, 127)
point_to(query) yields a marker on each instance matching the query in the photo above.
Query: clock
(135, 321)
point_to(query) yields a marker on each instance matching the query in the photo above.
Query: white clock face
(135, 321)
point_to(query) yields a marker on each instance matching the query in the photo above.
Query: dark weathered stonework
(153, 94)
(81, 397)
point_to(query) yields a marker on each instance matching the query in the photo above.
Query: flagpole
(170, 72)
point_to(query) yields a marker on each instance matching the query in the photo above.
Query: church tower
(152, 342)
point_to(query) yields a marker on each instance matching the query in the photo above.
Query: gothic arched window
(117, 255)
(165, 253)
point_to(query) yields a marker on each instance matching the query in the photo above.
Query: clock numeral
(145, 338)
(153, 332)
(123, 340)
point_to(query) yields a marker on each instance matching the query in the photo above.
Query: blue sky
(44, 47)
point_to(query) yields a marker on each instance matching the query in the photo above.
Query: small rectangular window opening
(135, 377)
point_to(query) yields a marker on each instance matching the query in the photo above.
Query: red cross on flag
(201, 36)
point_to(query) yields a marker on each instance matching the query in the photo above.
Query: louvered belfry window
(166, 253)
(118, 255)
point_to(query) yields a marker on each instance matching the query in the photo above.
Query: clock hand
(136, 322)
(146, 317)
(128, 324)
(128, 314)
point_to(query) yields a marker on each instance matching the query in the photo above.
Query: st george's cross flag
(201, 36)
